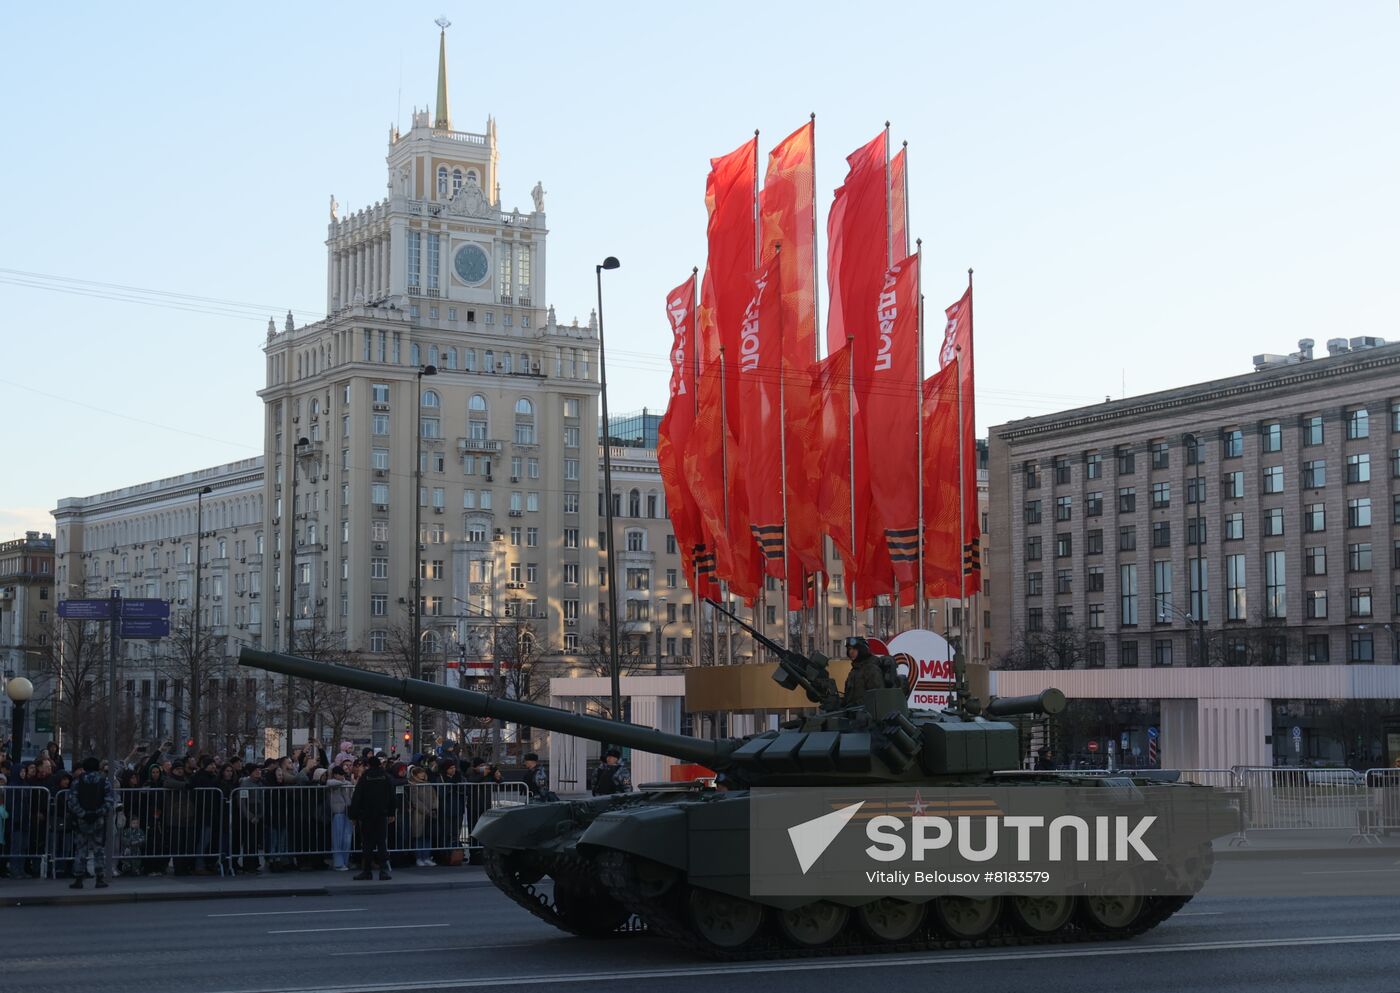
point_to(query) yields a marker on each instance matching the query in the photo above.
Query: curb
(1245, 853)
(158, 896)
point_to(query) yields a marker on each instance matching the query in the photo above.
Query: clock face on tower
(471, 264)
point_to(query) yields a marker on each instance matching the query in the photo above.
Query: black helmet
(858, 643)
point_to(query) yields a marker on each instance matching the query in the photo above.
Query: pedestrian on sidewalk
(338, 792)
(422, 813)
(90, 803)
(372, 808)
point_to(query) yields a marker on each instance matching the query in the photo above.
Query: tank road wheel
(1111, 906)
(1040, 915)
(722, 920)
(587, 910)
(965, 918)
(890, 919)
(813, 925)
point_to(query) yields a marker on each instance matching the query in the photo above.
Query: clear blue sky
(1149, 193)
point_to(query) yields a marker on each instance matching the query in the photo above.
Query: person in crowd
(612, 775)
(422, 802)
(372, 808)
(180, 824)
(90, 803)
(452, 810)
(54, 754)
(537, 778)
(28, 819)
(205, 795)
(339, 789)
(150, 807)
(249, 823)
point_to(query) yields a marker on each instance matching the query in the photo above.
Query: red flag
(899, 206)
(891, 416)
(711, 458)
(942, 546)
(787, 211)
(857, 233)
(826, 441)
(957, 352)
(673, 436)
(760, 424)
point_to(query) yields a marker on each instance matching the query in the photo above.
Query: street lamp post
(416, 608)
(614, 671)
(291, 510)
(660, 628)
(19, 690)
(495, 667)
(1394, 658)
(198, 569)
(1189, 618)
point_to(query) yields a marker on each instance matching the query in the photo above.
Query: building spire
(443, 119)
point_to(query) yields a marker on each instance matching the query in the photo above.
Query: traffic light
(189, 742)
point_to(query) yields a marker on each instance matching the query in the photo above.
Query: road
(476, 939)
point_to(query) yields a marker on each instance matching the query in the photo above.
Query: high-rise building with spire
(496, 444)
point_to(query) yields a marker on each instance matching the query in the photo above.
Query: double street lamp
(1163, 608)
(416, 608)
(608, 263)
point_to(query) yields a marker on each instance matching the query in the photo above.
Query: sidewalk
(136, 889)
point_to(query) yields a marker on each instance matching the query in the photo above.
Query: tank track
(665, 916)
(570, 868)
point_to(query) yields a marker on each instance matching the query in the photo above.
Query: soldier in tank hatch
(866, 672)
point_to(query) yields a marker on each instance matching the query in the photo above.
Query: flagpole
(919, 413)
(816, 355)
(698, 634)
(851, 456)
(962, 493)
(724, 462)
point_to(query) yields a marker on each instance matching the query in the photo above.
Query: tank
(674, 858)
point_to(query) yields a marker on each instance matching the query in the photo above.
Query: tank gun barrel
(710, 753)
(1050, 701)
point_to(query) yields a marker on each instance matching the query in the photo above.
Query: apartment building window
(1094, 574)
(1314, 518)
(1234, 527)
(1127, 538)
(571, 469)
(1127, 500)
(1093, 504)
(1035, 620)
(1093, 542)
(571, 436)
(1064, 508)
(1161, 534)
(1195, 451)
(1196, 490)
(378, 568)
(1162, 652)
(670, 544)
(1271, 437)
(1063, 582)
(1273, 521)
(1312, 430)
(1315, 604)
(1034, 583)
(1161, 495)
(1032, 472)
(1315, 474)
(1127, 594)
(1198, 588)
(1319, 649)
(1032, 511)
(1275, 585)
(1064, 618)
(1362, 647)
(1359, 468)
(1233, 484)
(1315, 560)
(1358, 424)
(571, 503)
(1359, 601)
(1359, 557)
(571, 537)
(1127, 460)
(1273, 479)
(1236, 595)
(1128, 654)
(1061, 470)
(1395, 415)
(1160, 457)
(379, 424)
(1094, 655)
(1064, 546)
(532, 501)
(1162, 590)
(1093, 465)
(1033, 549)
(1359, 513)
(1096, 617)
(1195, 531)
(379, 605)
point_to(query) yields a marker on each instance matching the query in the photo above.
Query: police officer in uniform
(866, 672)
(612, 776)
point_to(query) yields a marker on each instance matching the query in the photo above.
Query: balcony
(478, 445)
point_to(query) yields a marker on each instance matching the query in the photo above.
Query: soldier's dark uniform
(866, 673)
(89, 824)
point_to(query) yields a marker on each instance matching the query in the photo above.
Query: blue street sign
(145, 608)
(85, 610)
(1152, 733)
(1297, 731)
(145, 627)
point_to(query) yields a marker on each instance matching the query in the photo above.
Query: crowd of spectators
(200, 814)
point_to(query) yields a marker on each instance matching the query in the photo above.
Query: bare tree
(74, 663)
(322, 703)
(194, 663)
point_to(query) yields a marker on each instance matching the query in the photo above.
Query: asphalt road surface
(473, 939)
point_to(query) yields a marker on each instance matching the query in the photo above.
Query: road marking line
(825, 964)
(288, 913)
(452, 948)
(1199, 913)
(367, 927)
(1343, 872)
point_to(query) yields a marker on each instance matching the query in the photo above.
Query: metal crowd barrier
(283, 827)
(157, 829)
(26, 849)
